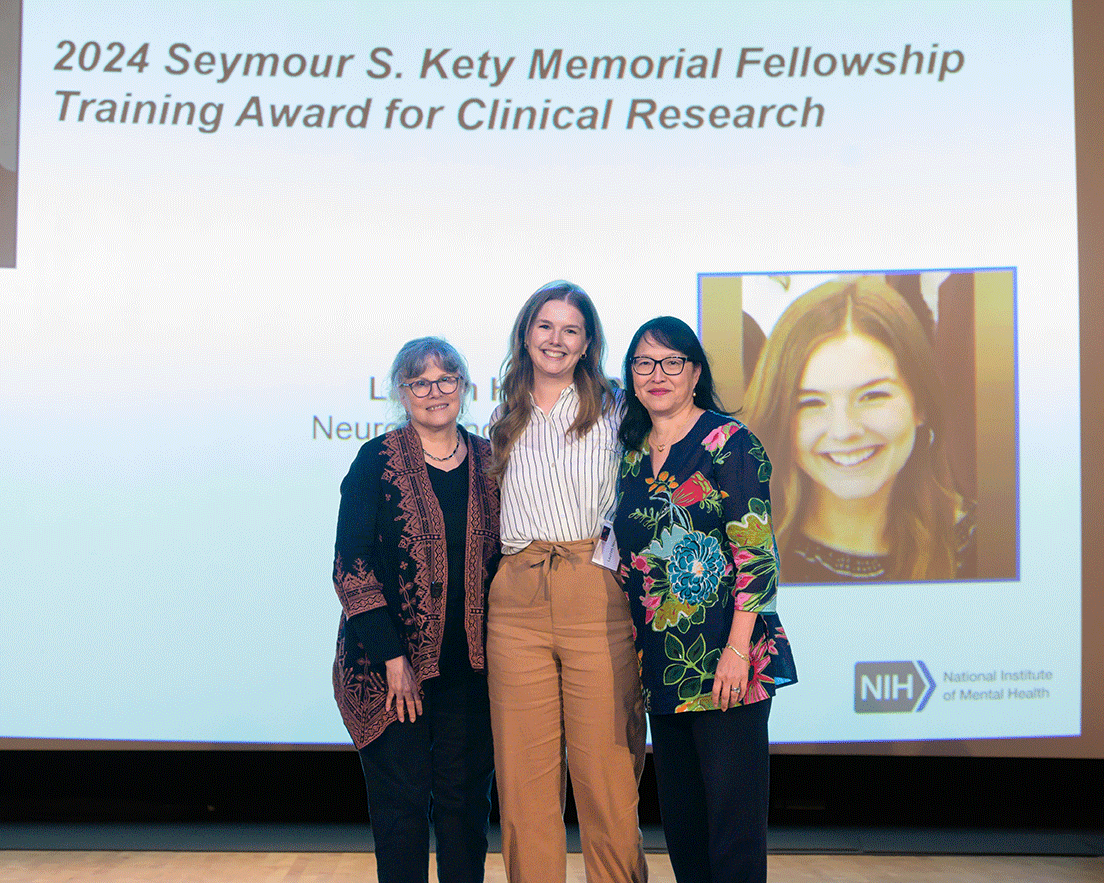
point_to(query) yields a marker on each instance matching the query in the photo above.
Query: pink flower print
(740, 557)
(717, 438)
(756, 678)
(651, 605)
(639, 562)
(744, 600)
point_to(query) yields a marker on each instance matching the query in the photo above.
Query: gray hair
(416, 355)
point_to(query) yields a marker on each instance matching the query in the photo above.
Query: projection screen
(218, 223)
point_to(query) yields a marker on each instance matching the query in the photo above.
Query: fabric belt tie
(548, 554)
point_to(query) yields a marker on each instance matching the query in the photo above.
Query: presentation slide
(220, 221)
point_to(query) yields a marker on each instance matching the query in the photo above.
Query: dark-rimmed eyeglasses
(671, 366)
(446, 386)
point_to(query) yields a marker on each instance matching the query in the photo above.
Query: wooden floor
(62, 866)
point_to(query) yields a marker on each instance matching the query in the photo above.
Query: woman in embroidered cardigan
(417, 543)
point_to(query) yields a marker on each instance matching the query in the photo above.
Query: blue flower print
(696, 567)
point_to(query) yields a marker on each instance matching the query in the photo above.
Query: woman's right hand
(402, 688)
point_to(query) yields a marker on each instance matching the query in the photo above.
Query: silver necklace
(449, 457)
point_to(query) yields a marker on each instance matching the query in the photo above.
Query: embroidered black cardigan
(391, 570)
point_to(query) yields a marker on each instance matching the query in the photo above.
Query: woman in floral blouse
(700, 568)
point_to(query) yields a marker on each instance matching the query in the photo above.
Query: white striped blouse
(558, 487)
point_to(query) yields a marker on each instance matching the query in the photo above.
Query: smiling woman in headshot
(847, 400)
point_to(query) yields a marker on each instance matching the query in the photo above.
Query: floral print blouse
(697, 544)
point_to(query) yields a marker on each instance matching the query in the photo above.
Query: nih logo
(883, 687)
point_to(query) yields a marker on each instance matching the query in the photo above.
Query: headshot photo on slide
(873, 394)
(10, 29)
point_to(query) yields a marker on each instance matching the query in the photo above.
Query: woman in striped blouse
(563, 676)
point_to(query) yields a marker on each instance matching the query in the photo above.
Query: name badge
(606, 553)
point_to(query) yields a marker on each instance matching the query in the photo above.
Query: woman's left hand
(731, 680)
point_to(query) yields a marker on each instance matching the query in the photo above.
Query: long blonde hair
(595, 392)
(924, 503)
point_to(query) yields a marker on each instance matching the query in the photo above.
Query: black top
(451, 489)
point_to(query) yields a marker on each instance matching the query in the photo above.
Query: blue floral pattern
(695, 567)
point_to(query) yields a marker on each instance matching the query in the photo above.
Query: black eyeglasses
(420, 388)
(671, 366)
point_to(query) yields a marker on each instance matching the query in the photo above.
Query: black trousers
(439, 767)
(713, 776)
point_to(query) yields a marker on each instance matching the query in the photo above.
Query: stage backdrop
(230, 217)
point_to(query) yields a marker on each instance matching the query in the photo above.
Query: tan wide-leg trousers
(564, 679)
